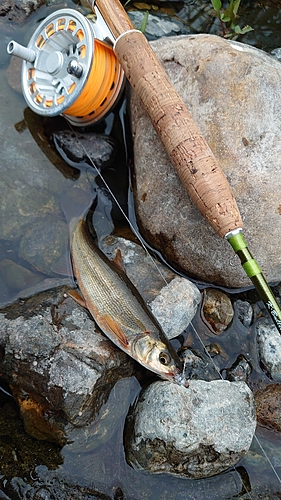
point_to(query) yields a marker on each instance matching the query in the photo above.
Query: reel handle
(190, 154)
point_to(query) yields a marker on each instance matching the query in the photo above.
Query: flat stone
(232, 92)
(194, 432)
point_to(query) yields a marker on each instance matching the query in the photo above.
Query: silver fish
(118, 308)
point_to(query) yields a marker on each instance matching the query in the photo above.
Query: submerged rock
(244, 312)
(232, 92)
(44, 243)
(240, 370)
(198, 367)
(87, 147)
(48, 485)
(195, 432)
(17, 277)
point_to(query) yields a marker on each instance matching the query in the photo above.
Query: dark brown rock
(216, 310)
(268, 404)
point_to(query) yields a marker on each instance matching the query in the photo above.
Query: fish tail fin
(76, 203)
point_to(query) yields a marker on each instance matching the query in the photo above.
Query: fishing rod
(189, 153)
(76, 68)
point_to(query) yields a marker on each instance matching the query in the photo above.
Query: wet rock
(48, 485)
(244, 312)
(18, 10)
(268, 406)
(172, 299)
(195, 432)
(60, 367)
(101, 429)
(158, 24)
(218, 80)
(44, 243)
(197, 367)
(216, 310)
(240, 370)
(88, 147)
(269, 346)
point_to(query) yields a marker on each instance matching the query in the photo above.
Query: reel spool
(70, 69)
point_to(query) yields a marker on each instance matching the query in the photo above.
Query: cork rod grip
(190, 155)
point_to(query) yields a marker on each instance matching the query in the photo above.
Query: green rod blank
(253, 270)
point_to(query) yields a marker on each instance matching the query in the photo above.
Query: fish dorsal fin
(78, 297)
(118, 261)
(118, 332)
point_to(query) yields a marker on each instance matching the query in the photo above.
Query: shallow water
(105, 468)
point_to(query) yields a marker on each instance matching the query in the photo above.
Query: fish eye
(164, 358)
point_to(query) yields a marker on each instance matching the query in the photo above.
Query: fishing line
(136, 233)
(141, 240)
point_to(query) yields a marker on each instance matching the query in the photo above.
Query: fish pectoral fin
(115, 328)
(118, 261)
(78, 297)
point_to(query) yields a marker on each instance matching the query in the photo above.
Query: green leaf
(217, 5)
(144, 22)
(246, 29)
(236, 6)
(229, 10)
(225, 18)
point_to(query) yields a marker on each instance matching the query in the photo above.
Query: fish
(118, 308)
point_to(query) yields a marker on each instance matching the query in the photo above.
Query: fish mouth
(180, 379)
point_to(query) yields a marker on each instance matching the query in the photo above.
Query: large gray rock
(60, 367)
(233, 93)
(195, 432)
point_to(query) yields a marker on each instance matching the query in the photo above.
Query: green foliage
(144, 22)
(228, 19)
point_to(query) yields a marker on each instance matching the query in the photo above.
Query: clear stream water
(105, 468)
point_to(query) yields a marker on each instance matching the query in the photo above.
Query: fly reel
(69, 68)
